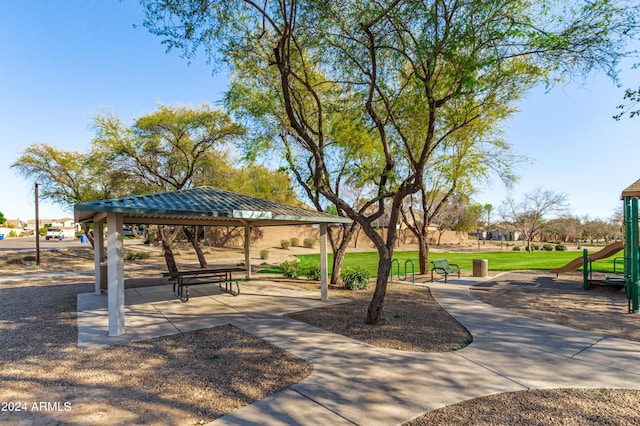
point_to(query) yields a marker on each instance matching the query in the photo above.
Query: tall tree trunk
(375, 314)
(340, 249)
(167, 240)
(356, 237)
(86, 228)
(192, 237)
(168, 256)
(423, 252)
(338, 260)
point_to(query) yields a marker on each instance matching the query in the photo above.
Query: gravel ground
(177, 379)
(603, 309)
(190, 378)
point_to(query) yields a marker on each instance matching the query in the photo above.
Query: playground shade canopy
(632, 190)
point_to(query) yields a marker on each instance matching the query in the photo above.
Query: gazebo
(204, 206)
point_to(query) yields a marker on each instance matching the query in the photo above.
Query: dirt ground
(602, 309)
(178, 379)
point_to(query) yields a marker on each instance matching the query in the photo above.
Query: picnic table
(221, 275)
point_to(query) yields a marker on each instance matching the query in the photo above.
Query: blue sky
(64, 61)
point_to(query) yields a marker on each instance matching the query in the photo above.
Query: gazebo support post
(98, 251)
(324, 268)
(247, 249)
(115, 273)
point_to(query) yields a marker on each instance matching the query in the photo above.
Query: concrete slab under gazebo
(203, 206)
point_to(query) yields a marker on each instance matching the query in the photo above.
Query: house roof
(632, 191)
(202, 206)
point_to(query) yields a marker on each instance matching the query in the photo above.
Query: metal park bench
(221, 276)
(444, 267)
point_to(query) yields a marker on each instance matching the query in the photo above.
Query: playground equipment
(631, 249)
(406, 273)
(586, 263)
(578, 262)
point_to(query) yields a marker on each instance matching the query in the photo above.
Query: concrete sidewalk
(354, 383)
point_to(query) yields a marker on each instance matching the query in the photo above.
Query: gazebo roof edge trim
(202, 203)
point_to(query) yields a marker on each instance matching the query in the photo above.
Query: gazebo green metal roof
(202, 206)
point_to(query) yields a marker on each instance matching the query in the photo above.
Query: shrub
(547, 247)
(264, 254)
(285, 244)
(355, 278)
(290, 269)
(535, 247)
(295, 242)
(309, 242)
(516, 248)
(132, 255)
(561, 247)
(313, 272)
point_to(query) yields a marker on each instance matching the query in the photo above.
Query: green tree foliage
(2, 219)
(453, 172)
(68, 177)
(392, 81)
(254, 97)
(259, 181)
(172, 148)
(457, 214)
(629, 107)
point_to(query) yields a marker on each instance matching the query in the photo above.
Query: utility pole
(37, 229)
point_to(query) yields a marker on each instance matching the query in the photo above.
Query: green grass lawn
(498, 260)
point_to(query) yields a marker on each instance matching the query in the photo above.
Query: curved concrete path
(355, 383)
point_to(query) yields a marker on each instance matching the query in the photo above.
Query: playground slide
(576, 264)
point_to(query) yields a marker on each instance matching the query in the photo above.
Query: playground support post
(632, 252)
(585, 269)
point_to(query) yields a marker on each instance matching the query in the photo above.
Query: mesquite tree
(409, 74)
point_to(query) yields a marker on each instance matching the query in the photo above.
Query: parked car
(53, 233)
(127, 231)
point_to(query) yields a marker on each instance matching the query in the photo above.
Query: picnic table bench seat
(445, 268)
(221, 276)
